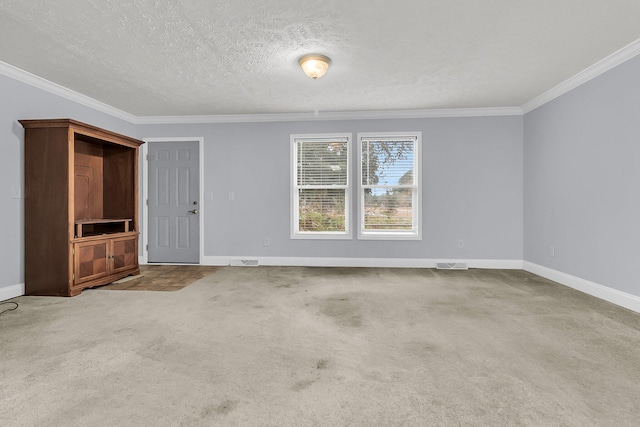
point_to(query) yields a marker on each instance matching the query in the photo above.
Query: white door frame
(145, 192)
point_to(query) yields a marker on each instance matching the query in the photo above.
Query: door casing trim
(144, 259)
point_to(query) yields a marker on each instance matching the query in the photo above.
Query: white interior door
(173, 202)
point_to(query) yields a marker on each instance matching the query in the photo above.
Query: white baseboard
(361, 262)
(623, 299)
(614, 296)
(606, 293)
(12, 291)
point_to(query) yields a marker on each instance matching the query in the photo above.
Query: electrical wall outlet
(16, 192)
(461, 243)
(552, 251)
(266, 242)
(232, 195)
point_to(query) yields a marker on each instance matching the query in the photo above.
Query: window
(389, 185)
(320, 186)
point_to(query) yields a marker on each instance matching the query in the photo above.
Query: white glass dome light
(314, 66)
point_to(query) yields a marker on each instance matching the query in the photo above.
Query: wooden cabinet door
(91, 260)
(124, 253)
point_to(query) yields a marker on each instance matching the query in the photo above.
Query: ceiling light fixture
(314, 66)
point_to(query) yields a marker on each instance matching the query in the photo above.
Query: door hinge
(73, 251)
(73, 276)
(147, 201)
(147, 247)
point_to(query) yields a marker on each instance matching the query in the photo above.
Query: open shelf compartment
(97, 227)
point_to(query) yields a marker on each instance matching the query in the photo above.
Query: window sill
(389, 236)
(321, 236)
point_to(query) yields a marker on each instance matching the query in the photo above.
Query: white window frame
(295, 212)
(416, 203)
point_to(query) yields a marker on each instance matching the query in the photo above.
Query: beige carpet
(272, 346)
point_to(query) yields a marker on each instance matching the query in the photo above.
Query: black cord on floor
(8, 309)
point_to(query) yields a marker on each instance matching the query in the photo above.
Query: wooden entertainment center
(80, 206)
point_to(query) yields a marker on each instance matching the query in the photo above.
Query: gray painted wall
(22, 101)
(582, 181)
(472, 188)
(472, 183)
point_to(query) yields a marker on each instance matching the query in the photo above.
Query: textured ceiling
(206, 57)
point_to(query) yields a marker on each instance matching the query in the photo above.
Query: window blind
(321, 184)
(322, 163)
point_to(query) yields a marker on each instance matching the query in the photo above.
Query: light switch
(208, 195)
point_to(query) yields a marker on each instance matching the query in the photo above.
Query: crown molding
(332, 115)
(56, 89)
(618, 57)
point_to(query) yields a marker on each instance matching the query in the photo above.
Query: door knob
(195, 211)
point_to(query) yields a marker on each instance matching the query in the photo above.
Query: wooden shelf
(97, 227)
